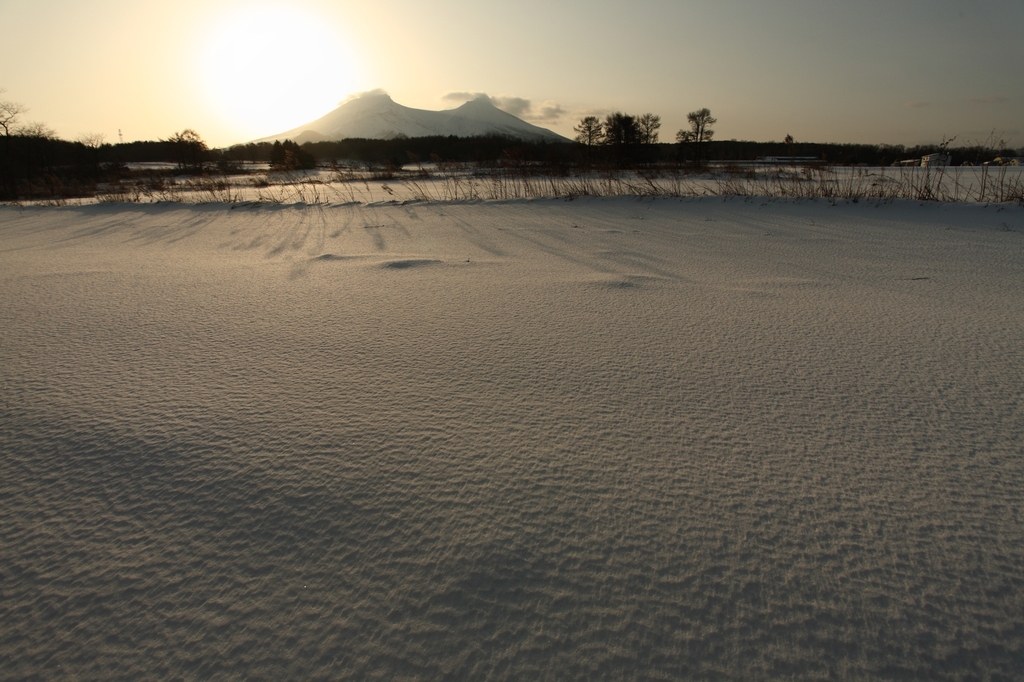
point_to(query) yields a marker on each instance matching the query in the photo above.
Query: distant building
(787, 159)
(935, 160)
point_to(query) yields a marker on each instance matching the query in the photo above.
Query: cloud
(517, 106)
(366, 93)
(991, 99)
(550, 111)
(918, 105)
(465, 96)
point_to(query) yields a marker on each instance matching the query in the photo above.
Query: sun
(268, 68)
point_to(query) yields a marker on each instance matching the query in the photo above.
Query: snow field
(596, 439)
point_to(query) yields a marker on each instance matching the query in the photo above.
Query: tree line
(631, 138)
(35, 163)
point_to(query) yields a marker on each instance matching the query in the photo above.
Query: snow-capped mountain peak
(376, 116)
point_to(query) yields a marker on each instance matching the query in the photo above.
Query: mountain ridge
(377, 116)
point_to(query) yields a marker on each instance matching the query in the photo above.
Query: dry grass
(452, 182)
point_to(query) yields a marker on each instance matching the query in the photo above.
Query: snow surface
(591, 439)
(377, 116)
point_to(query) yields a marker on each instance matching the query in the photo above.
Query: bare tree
(700, 131)
(22, 159)
(91, 140)
(648, 125)
(9, 114)
(92, 143)
(37, 130)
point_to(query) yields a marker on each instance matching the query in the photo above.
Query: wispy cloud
(918, 105)
(991, 99)
(366, 93)
(464, 96)
(550, 111)
(517, 106)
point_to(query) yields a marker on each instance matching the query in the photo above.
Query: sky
(865, 71)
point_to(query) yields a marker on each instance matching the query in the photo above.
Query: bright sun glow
(269, 68)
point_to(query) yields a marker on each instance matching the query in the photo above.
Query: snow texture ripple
(601, 439)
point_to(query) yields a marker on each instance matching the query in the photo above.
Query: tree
(190, 150)
(92, 142)
(700, 131)
(622, 133)
(290, 156)
(37, 130)
(9, 113)
(648, 125)
(589, 132)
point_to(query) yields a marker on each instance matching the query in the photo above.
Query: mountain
(377, 116)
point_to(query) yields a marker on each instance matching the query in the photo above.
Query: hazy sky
(898, 71)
